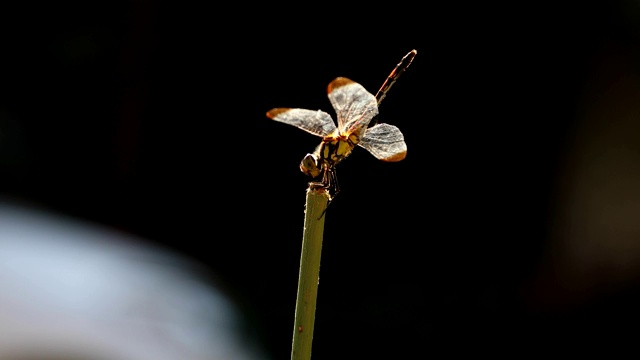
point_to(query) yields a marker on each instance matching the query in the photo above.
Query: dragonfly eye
(310, 165)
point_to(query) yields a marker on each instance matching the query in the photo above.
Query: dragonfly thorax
(331, 151)
(335, 149)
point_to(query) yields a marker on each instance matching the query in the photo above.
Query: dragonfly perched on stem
(357, 114)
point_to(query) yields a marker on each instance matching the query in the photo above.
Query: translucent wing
(385, 142)
(354, 105)
(316, 122)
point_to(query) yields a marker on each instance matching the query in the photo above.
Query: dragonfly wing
(385, 142)
(316, 122)
(354, 105)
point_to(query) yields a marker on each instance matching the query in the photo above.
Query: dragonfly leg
(336, 188)
(330, 181)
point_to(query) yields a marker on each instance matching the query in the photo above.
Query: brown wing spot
(275, 112)
(396, 157)
(338, 82)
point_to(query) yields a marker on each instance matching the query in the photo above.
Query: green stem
(317, 198)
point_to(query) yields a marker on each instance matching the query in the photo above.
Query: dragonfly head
(310, 165)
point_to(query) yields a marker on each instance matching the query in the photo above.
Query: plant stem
(317, 198)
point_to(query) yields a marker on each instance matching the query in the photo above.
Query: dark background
(149, 117)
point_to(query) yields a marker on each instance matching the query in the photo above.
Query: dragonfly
(357, 114)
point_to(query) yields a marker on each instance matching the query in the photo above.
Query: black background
(149, 117)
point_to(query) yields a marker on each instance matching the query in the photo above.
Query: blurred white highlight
(78, 291)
